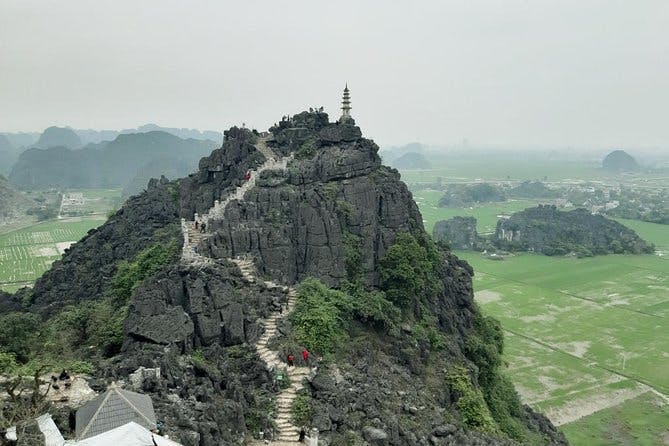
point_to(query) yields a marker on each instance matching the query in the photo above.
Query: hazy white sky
(544, 72)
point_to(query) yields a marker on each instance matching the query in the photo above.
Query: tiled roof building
(114, 408)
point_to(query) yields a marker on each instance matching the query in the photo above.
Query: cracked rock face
(295, 223)
(199, 307)
(459, 232)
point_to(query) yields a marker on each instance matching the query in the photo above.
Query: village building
(114, 408)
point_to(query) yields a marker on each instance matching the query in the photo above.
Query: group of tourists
(290, 359)
(201, 226)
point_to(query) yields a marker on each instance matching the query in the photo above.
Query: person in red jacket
(290, 360)
(305, 355)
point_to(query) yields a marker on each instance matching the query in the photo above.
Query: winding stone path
(192, 237)
(287, 432)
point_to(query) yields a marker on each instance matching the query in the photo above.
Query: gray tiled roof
(113, 409)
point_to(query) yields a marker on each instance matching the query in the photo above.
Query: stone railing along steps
(193, 237)
(287, 433)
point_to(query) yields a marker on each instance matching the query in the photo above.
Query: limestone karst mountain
(300, 228)
(548, 230)
(619, 161)
(58, 137)
(8, 155)
(411, 160)
(128, 161)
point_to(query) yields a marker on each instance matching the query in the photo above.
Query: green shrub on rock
(129, 275)
(317, 317)
(409, 270)
(301, 410)
(470, 401)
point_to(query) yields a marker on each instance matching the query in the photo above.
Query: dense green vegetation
(322, 316)
(73, 339)
(326, 321)
(67, 335)
(409, 269)
(471, 404)
(129, 275)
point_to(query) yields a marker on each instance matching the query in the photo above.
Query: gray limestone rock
(458, 232)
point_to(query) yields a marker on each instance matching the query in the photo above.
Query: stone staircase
(286, 433)
(193, 237)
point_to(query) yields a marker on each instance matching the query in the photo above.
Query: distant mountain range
(13, 144)
(128, 161)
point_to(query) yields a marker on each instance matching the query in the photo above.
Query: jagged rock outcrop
(619, 161)
(296, 224)
(545, 229)
(200, 307)
(458, 232)
(214, 311)
(220, 172)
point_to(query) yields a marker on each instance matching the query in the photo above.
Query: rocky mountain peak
(207, 274)
(295, 223)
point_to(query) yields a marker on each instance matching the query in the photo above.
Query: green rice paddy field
(587, 340)
(25, 254)
(514, 167)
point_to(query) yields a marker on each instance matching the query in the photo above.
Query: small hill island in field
(459, 195)
(547, 230)
(411, 160)
(619, 161)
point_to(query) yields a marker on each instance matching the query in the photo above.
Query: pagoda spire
(346, 106)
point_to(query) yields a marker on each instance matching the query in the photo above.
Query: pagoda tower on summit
(346, 107)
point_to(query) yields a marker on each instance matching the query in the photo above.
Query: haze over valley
(345, 224)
